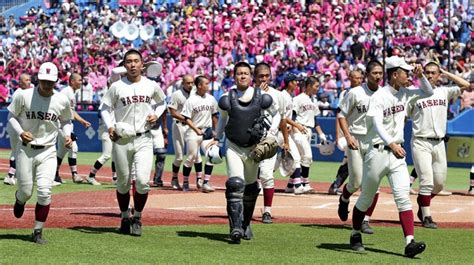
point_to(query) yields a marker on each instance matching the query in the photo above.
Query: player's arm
(425, 85)
(191, 125)
(284, 131)
(351, 141)
(66, 127)
(297, 125)
(319, 131)
(81, 120)
(25, 136)
(164, 123)
(459, 81)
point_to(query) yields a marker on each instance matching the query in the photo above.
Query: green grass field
(273, 244)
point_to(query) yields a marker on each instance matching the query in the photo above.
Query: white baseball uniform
(131, 104)
(354, 107)
(199, 110)
(306, 109)
(105, 139)
(62, 150)
(429, 115)
(288, 104)
(41, 116)
(14, 138)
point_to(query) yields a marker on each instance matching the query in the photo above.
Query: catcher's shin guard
(342, 174)
(250, 198)
(159, 163)
(234, 193)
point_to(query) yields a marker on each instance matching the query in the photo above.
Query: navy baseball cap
(290, 77)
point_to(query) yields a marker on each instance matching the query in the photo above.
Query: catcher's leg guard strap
(250, 198)
(234, 194)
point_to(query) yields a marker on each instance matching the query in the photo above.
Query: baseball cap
(397, 62)
(290, 77)
(48, 71)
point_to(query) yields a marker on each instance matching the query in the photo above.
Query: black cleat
(125, 226)
(37, 237)
(365, 228)
(267, 218)
(18, 209)
(429, 223)
(136, 227)
(343, 209)
(236, 235)
(414, 248)
(356, 242)
(248, 234)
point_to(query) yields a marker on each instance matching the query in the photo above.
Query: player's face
(133, 64)
(375, 76)
(356, 79)
(188, 82)
(242, 77)
(312, 89)
(262, 76)
(47, 85)
(203, 87)
(76, 82)
(25, 82)
(402, 77)
(432, 73)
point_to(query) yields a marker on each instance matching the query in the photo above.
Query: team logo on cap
(48, 71)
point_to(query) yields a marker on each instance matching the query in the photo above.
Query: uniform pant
(303, 143)
(35, 163)
(193, 142)
(177, 131)
(355, 160)
(239, 164)
(137, 152)
(431, 166)
(62, 150)
(377, 164)
(106, 148)
(158, 140)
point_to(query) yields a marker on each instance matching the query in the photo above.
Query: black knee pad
(235, 187)
(251, 189)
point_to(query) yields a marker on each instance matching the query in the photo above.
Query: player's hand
(68, 142)
(113, 134)
(263, 86)
(151, 118)
(301, 128)
(286, 148)
(418, 71)
(199, 131)
(352, 143)
(86, 124)
(397, 150)
(26, 137)
(165, 131)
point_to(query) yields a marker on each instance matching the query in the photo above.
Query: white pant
(136, 152)
(177, 131)
(158, 140)
(303, 143)
(355, 162)
(377, 164)
(429, 158)
(239, 164)
(106, 148)
(193, 142)
(62, 150)
(40, 164)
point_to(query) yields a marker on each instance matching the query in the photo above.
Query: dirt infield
(170, 207)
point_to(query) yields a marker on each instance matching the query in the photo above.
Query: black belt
(142, 133)
(431, 138)
(33, 146)
(385, 147)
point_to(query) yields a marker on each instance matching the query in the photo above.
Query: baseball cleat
(186, 186)
(333, 190)
(136, 227)
(267, 218)
(59, 179)
(55, 183)
(414, 248)
(175, 184)
(289, 190)
(356, 242)
(299, 190)
(308, 189)
(429, 223)
(125, 226)
(236, 235)
(158, 183)
(76, 178)
(9, 181)
(366, 229)
(93, 182)
(206, 188)
(37, 237)
(18, 209)
(470, 192)
(199, 183)
(444, 193)
(343, 209)
(413, 192)
(248, 234)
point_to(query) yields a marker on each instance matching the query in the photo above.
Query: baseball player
(385, 120)
(262, 75)
(131, 101)
(355, 78)
(351, 117)
(429, 115)
(159, 133)
(305, 110)
(239, 109)
(178, 98)
(25, 83)
(36, 115)
(200, 114)
(471, 182)
(294, 182)
(75, 82)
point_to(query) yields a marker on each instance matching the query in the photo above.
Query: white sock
(38, 225)
(137, 214)
(425, 210)
(409, 238)
(267, 209)
(367, 218)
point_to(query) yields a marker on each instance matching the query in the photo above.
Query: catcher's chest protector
(242, 117)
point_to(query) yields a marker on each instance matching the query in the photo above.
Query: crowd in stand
(305, 38)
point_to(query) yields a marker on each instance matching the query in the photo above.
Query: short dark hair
(391, 71)
(242, 64)
(132, 51)
(431, 63)
(309, 81)
(261, 65)
(372, 64)
(199, 79)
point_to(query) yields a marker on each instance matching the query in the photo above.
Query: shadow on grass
(95, 230)
(347, 248)
(214, 216)
(210, 236)
(99, 214)
(341, 226)
(15, 237)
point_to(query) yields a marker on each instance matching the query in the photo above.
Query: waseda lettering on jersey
(431, 103)
(308, 107)
(393, 110)
(135, 99)
(40, 115)
(361, 109)
(201, 108)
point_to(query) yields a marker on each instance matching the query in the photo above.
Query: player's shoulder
(61, 97)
